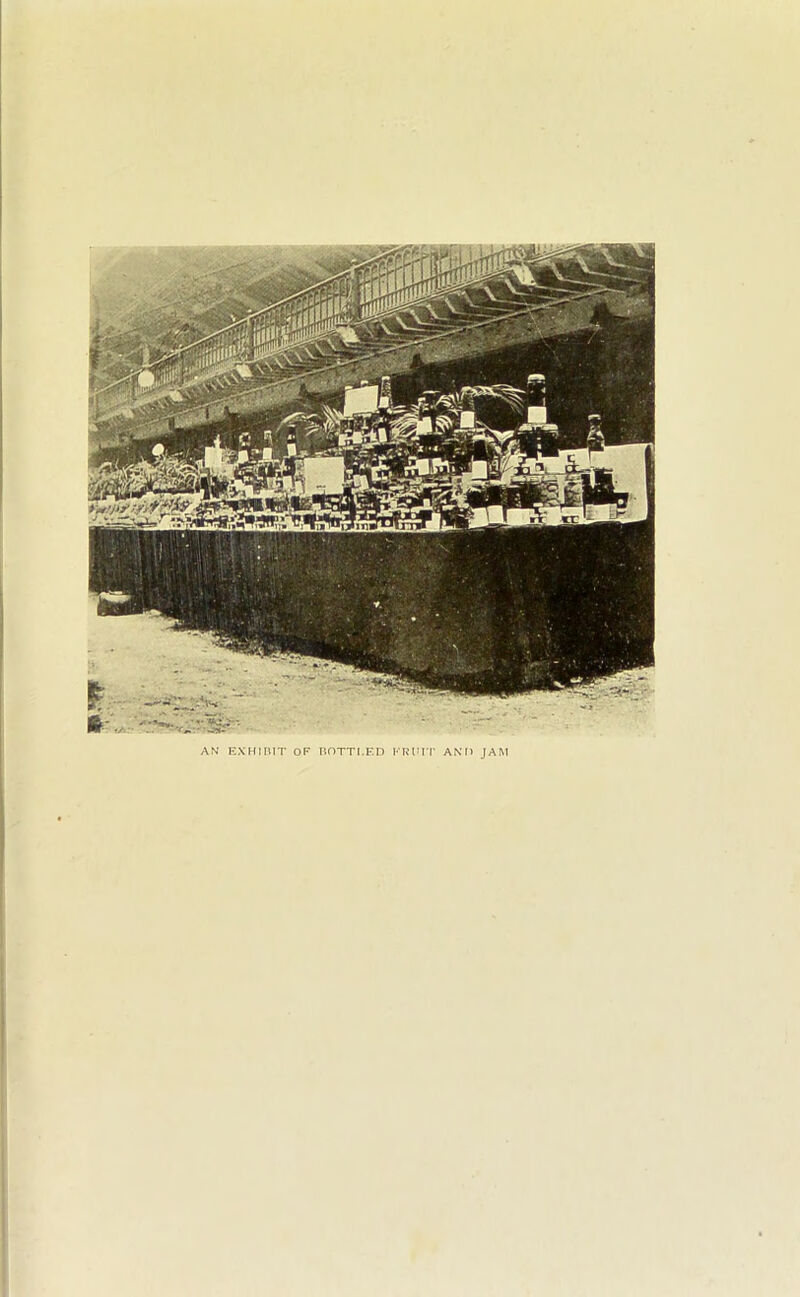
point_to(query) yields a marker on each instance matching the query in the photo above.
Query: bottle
(385, 393)
(573, 490)
(548, 441)
(515, 514)
(528, 438)
(477, 501)
(595, 441)
(495, 507)
(537, 399)
(267, 451)
(466, 418)
(530, 507)
(291, 442)
(427, 410)
(480, 459)
(425, 434)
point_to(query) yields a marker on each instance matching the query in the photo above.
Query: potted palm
(319, 429)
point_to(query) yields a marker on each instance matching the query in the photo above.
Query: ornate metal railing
(390, 281)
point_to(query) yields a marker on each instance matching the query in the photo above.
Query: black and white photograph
(388, 488)
(400, 874)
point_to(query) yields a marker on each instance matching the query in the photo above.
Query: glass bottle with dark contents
(477, 499)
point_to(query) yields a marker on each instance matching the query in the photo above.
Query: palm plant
(448, 407)
(319, 428)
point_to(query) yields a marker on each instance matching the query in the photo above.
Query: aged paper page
(341, 1026)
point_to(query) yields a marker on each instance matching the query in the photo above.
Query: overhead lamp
(127, 413)
(176, 396)
(244, 371)
(146, 378)
(347, 333)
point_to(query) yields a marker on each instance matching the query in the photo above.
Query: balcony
(412, 291)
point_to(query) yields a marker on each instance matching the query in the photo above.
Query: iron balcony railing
(385, 283)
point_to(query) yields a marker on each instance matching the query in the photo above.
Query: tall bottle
(529, 433)
(595, 441)
(495, 506)
(291, 455)
(385, 393)
(480, 459)
(537, 399)
(457, 444)
(466, 418)
(516, 515)
(381, 426)
(477, 501)
(429, 440)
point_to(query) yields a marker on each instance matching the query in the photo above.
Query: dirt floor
(149, 674)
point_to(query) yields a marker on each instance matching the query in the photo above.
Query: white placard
(361, 400)
(324, 473)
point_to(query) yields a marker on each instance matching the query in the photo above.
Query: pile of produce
(167, 475)
(149, 510)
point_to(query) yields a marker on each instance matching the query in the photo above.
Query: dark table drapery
(482, 609)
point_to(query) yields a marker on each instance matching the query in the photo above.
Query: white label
(467, 419)
(423, 466)
(517, 517)
(480, 518)
(480, 470)
(496, 513)
(537, 414)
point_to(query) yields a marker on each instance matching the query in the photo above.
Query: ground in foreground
(148, 674)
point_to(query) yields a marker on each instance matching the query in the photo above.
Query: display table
(489, 610)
